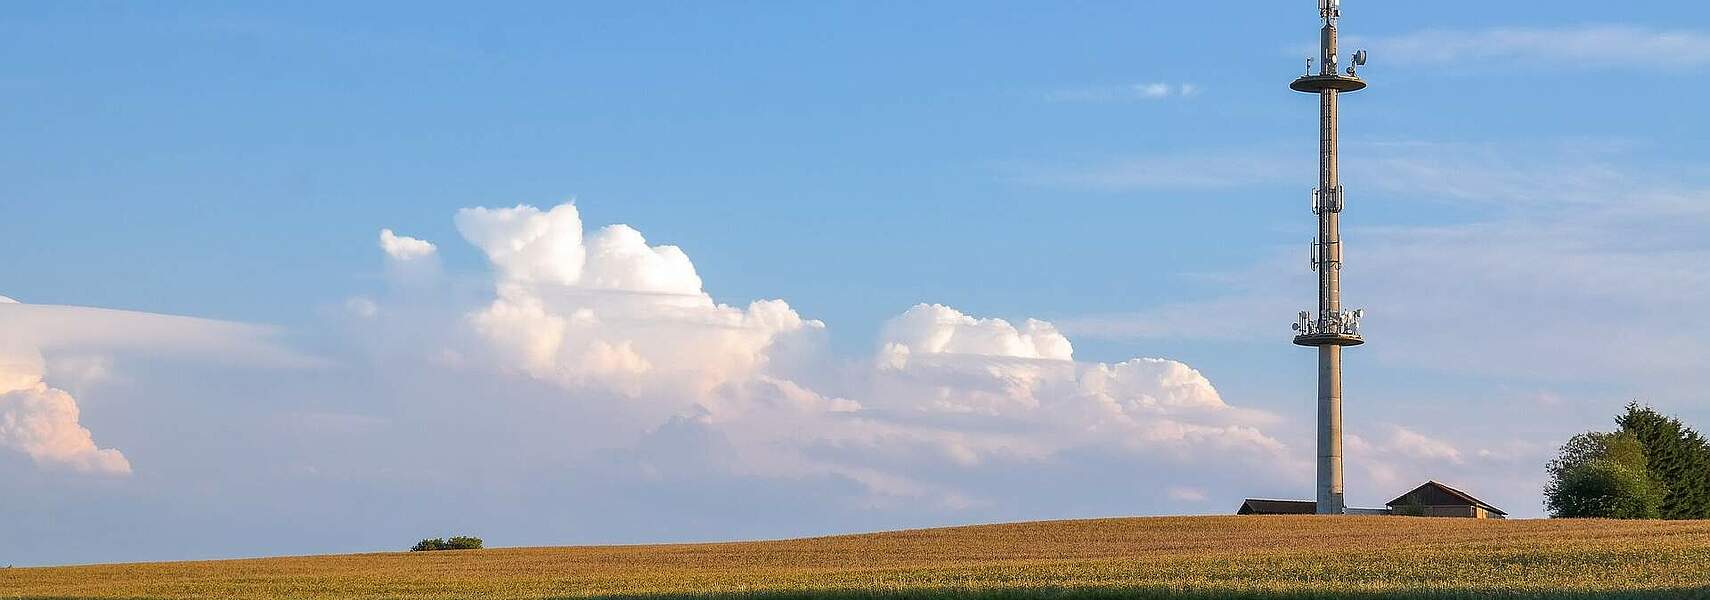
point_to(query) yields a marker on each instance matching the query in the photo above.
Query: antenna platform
(1313, 84)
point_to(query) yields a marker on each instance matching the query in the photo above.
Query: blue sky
(1527, 209)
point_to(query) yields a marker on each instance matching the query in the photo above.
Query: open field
(1201, 557)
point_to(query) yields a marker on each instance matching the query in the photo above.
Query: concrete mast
(1331, 328)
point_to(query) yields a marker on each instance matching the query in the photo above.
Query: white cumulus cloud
(936, 338)
(42, 421)
(528, 245)
(403, 247)
(615, 321)
(938, 329)
(609, 310)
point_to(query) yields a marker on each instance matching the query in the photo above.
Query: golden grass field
(1160, 557)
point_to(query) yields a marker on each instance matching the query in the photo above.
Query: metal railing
(1346, 322)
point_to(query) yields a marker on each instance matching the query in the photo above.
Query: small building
(1433, 499)
(1260, 506)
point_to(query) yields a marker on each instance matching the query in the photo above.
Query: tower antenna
(1330, 328)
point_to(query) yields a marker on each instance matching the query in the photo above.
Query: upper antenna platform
(1330, 9)
(1313, 84)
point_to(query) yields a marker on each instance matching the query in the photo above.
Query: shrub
(461, 542)
(1602, 475)
(1607, 489)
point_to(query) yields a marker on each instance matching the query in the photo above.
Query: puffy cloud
(1139, 405)
(613, 320)
(938, 329)
(42, 421)
(610, 311)
(987, 391)
(405, 248)
(527, 245)
(620, 259)
(409, 261)
(943, 360)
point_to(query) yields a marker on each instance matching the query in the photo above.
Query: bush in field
(1606, 489)
(1603, 475)
(461, 542)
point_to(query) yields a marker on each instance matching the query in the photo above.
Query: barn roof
(1452, 493)
(1261, 506)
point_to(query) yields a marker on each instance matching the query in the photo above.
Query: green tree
(461, 542)
(1602, 475)
(1677, 457)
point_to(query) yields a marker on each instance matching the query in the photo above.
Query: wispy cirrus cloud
(1185, 170)
(45, 422)
(1236, 317)
(53, 328)
(1531, 174)
(1559, 241)
(1596, 46)
(1128, 92)
(1395, 457)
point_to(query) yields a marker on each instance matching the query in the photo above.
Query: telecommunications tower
(1331, 327)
